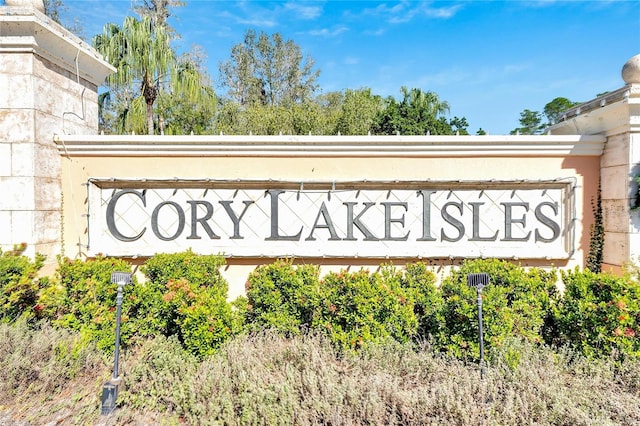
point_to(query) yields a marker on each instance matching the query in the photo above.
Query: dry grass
(266, 379)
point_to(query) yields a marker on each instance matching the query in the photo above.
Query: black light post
(110, 389)
(479, 281)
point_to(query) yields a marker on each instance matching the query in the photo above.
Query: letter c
(111, 221)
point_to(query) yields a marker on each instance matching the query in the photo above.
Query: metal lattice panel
(369, 222)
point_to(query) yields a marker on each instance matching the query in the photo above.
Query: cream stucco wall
(330, 159)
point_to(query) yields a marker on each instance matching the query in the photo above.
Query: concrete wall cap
(26, 30)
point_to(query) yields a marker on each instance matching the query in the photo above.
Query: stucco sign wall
(332, 219)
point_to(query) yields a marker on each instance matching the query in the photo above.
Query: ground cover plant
(387, 346)
(266, 378)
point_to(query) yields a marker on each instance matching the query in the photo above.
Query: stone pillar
(619, 165)
(631, 76)
(49, 82)
(617, 116)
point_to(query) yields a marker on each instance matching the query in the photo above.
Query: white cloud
(477, 77)
(351, 60)
(442, 12)
(406, 11)
(326, 32)
(378, 32)
(304, 11)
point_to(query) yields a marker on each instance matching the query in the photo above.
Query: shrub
(158, 374)
(359, 308)
(515, 304)
(84, 299)
(599, 314)
(187, 297)
(283, 297)
(420, 283)
(354, 309)
(19, 284)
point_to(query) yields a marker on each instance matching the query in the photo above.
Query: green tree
(313, 116)
(459, 125)
(330, 105)
(553, 110)
(180, 115)
(268, 70)
(358, 112)
(530, 123)
(146, 66)
(418, 113)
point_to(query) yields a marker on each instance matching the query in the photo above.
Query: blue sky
(488, 59)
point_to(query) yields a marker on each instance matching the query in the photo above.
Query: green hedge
(184, 296)
(190, 300)
(353, 308)
(82, 298)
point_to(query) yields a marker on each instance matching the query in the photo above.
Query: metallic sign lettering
(375, 222)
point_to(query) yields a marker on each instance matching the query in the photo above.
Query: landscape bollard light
(110, 388)
(479, 281)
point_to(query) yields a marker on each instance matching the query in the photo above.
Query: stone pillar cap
(26, 30)
(631, 70)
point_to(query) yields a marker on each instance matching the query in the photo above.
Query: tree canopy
(268, 70)
(269, 87)
(418, 113)
(531, 122)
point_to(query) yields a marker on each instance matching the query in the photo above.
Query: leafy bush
(360, 308)
(184, 296)
(354, 308)
(283, 297)
(599, 314)
(84, 299)
(187, 297)
(19, 284)
(515, 304)
(420, 283)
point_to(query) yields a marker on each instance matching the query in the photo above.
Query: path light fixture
(479, 281)
(110, 388)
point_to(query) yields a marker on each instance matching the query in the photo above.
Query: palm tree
(421, 104)
(144, 60)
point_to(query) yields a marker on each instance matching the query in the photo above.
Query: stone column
(619, 165)
(49, 82)
(631, 76)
